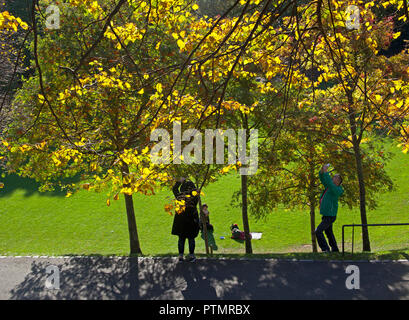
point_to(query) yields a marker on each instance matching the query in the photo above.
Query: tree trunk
(312, 224)
(130, 213)
(362, 197)
(312, 196)
(203, 222)
(358, 159)
(244, 213)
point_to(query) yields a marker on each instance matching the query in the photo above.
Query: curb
(204, 258)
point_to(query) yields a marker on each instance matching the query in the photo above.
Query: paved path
(209, 279)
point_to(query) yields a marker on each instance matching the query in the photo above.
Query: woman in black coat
(186, 223)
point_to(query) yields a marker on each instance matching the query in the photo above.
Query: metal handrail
(365, 225)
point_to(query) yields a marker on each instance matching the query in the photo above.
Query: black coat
(186, 224)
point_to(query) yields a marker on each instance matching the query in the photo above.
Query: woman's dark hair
(187, 186)
(186, 193)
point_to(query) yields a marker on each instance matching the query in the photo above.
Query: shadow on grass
(394, 254)
(13, 182)
(399, 254)
(402, 254)
(99, 277)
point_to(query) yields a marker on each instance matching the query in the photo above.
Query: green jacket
(329, 202)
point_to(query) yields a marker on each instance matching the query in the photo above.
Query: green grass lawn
(34, 223)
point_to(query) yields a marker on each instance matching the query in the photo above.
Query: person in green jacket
(328, 209)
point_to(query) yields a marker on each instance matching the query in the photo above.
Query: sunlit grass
(32, 223)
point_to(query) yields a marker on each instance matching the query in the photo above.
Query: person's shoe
(180, 257)
(191, 258)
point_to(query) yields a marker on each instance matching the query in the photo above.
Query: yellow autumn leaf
(159, 87)
(108, 202)
(225, 170)
(181, 44)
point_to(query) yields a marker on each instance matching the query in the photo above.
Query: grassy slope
(50, 224)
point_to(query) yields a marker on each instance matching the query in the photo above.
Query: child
(206, 213)
(237, 234)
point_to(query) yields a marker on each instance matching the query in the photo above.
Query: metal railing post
(343, 240)
(364, 225)
(353, 237)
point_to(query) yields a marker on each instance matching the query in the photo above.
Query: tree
(355, 74)
(91, 106)
(288, 173)
(102, 84)
(11, 66)
(120, 69)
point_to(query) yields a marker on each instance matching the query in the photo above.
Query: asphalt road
(206, 279)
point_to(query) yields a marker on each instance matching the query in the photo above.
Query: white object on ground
(256, 235)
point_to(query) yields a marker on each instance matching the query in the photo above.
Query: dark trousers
(326, 226)
(181, 245)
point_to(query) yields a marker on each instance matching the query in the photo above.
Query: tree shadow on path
(210, 279)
